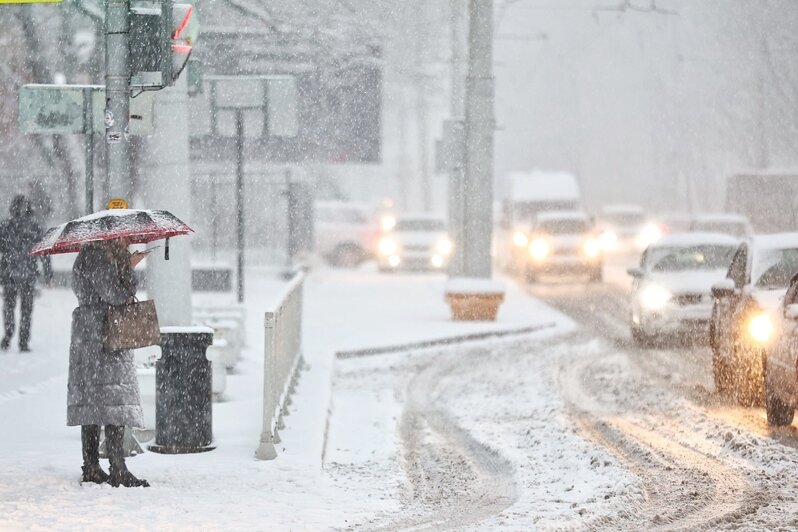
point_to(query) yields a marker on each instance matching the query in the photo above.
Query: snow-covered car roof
(622, 209)
(720, 217)
(695, 239)
(775, 241)
(562, 215)
(539, 185)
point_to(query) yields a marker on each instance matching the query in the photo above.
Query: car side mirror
(724, 288)
(791, 311)
(636, 273)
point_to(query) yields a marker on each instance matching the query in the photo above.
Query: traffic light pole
(88, 140)
(117, 94)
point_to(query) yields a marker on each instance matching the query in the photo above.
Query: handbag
(132, 326)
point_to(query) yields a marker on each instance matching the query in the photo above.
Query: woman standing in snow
(103, 388)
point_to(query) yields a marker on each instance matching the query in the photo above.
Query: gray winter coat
(103, 388)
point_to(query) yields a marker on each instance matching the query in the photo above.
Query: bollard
(183, 392)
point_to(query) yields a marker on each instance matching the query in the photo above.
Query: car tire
(721, 372)
(640, 338)
(749, 389)
(779, 414)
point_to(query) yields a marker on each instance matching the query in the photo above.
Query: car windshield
(567, 226)
(624, 218)
(730, 228)
(426, 226)
(773, 268)
(679, 259)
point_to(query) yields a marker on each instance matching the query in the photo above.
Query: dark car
(745, 313)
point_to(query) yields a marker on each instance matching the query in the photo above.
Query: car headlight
(520, 239)
(445, 247)
(654, 297)
(388, 222)
(649, 234)
(387, 246)
(608, 240)
(760, 327)
(539, 249)
(591, 248)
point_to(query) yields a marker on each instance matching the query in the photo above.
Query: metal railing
(281, 364)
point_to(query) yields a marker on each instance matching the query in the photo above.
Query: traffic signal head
(161, 41)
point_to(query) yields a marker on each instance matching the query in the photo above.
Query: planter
(471, 306)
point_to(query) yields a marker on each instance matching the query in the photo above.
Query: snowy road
(564, 429)
(701, 462)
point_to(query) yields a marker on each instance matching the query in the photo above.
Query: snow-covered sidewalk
(226, 488)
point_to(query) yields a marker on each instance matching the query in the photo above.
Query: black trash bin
(183, 390)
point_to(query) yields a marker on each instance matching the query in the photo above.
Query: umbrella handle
(166, 250)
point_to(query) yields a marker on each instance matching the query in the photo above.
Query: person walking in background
(103, 388)
(18, 270)
(41, 204)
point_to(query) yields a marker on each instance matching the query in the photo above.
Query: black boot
(90, 439)
(120, 476)
(5, 343)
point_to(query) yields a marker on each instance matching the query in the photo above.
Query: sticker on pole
(113, 138)
(117, 203)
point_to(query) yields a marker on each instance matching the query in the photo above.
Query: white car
(735, 225)
(672, 288)
(625, 229)
(345, 233)
(416, 242)
(563, 242)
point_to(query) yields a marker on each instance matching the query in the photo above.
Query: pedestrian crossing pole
(117, 97)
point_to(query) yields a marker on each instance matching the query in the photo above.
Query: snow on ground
(227, 488)
(504, 396)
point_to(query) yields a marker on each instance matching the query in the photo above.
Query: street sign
(51, 109)
(60, 109)
(269, 99)
(239, 92)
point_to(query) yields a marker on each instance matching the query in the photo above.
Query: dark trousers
(23, 291)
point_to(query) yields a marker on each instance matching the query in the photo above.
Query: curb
(452, 340)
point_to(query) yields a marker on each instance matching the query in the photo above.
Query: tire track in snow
(455, 480)
(682, 488)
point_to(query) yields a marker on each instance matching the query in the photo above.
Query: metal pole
(457, 8)
(479, 125)
(289, 220)
(214, 218)
(88, 145)
(240, 200)
(117, 93)
(421, 111)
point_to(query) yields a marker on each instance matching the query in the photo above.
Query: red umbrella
(137, 225)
